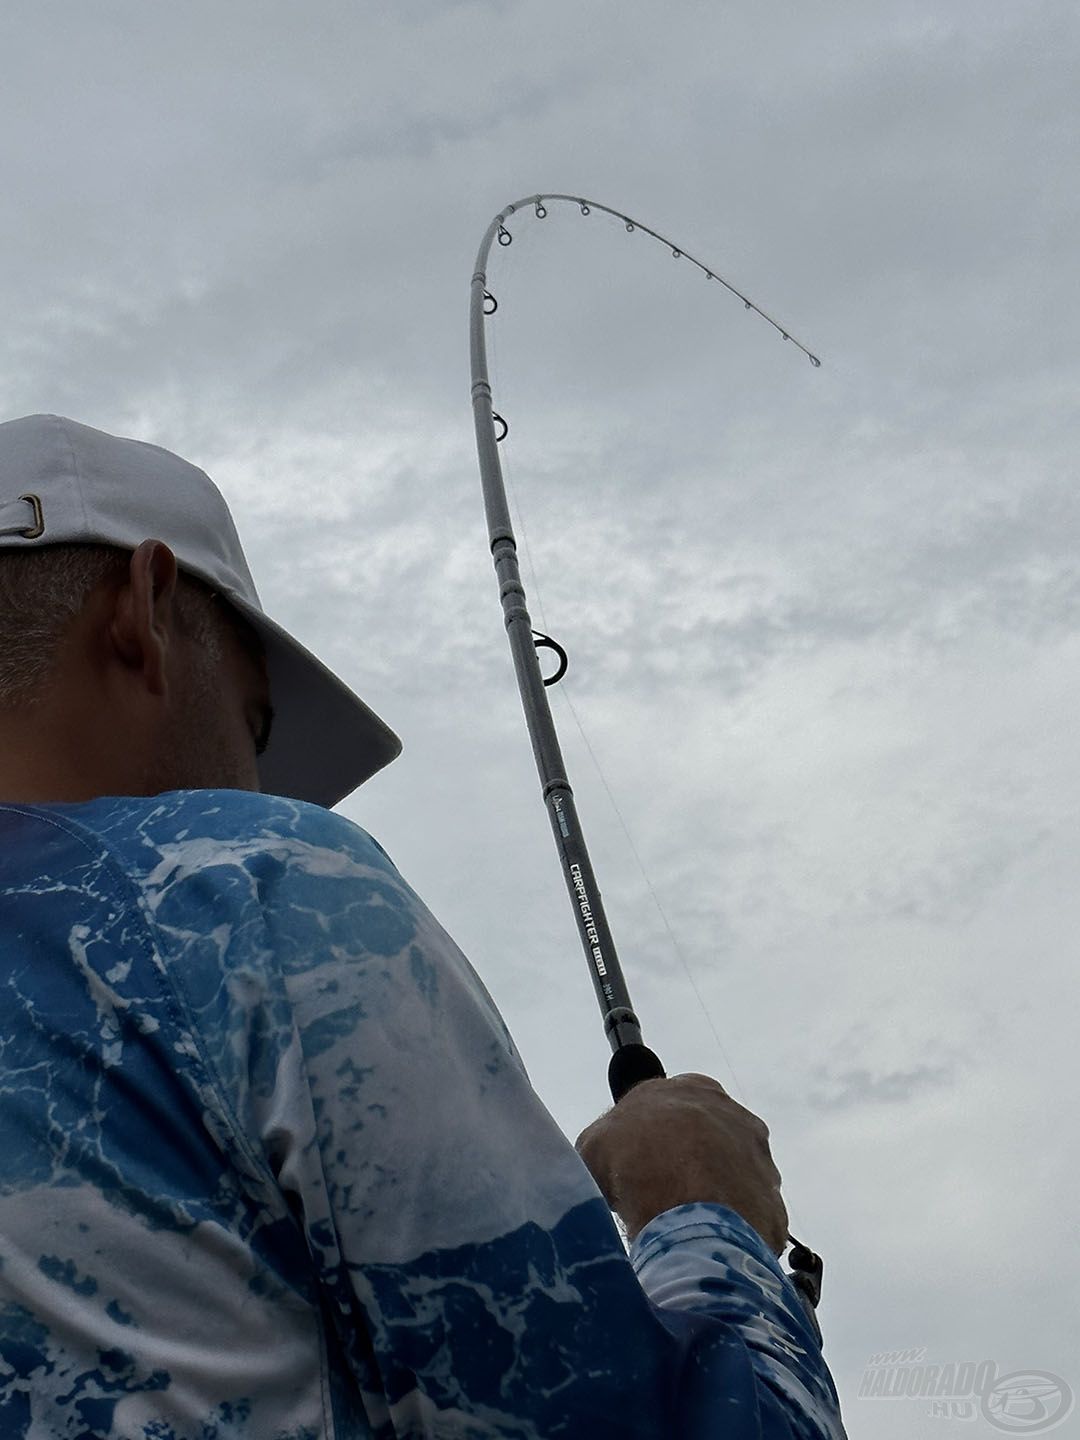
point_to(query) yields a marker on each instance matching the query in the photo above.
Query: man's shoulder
(195, 828)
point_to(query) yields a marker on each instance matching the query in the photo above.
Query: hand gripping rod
(632, 1060)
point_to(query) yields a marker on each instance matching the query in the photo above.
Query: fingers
(681, 1139)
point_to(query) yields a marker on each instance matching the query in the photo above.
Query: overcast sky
(824, 625)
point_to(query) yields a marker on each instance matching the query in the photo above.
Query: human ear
(140, 627)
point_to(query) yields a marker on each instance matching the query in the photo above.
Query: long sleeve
(706, 1261)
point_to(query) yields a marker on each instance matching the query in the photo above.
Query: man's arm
(473, 1279)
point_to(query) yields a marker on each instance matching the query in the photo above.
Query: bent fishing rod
(631, 1060)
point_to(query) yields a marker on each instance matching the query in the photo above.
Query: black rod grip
(629, 1065)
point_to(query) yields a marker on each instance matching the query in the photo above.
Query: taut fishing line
(631, 1060)
(565, 698)
(502, 385)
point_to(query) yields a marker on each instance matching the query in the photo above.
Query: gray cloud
(840, 1088)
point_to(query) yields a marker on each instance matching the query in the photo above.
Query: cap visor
(324, 741)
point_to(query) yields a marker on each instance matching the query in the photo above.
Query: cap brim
(324, 741)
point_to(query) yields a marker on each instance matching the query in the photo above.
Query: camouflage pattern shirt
(270, 1166)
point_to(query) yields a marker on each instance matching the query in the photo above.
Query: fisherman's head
(135, 655)
(120, 675)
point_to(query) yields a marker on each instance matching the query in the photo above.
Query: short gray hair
(42, 590)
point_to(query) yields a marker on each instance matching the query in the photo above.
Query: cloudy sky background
(824, 625)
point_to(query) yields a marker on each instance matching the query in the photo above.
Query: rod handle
(629, 1065)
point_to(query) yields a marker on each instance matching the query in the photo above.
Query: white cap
(64, 483)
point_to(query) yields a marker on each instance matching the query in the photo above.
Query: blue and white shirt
(270, 1166)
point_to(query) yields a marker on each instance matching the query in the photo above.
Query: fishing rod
(631, 1060)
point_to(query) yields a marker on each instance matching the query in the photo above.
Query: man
(270, 1165)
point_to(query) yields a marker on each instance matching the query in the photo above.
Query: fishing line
(672, 938)
(738, 1090)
